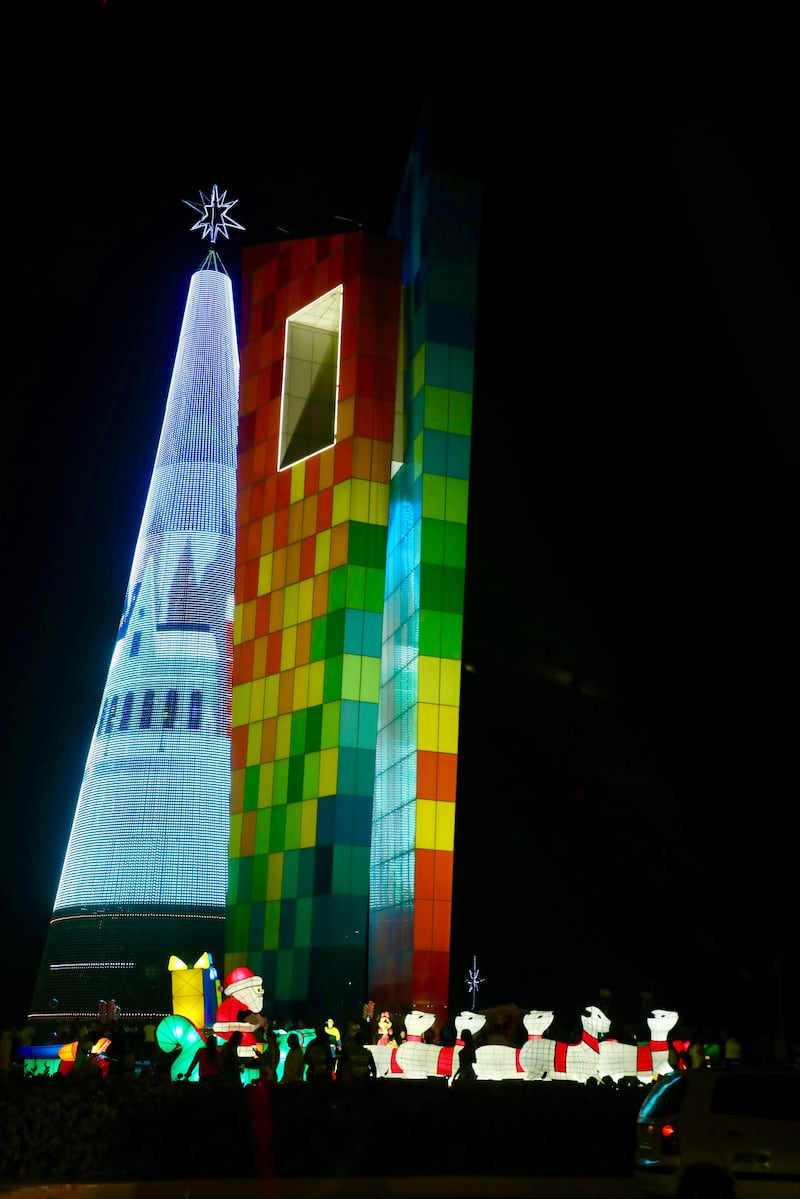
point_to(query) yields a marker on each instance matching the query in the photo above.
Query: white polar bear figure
(498, 1062)
(618, 1060)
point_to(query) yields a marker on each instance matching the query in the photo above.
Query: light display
(321, 314)
(353, 484)
(146, 862)
(411, 854)
(196, 991)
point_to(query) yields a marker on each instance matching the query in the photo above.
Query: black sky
(629, 739)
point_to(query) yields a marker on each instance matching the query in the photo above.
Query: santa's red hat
(240, 978)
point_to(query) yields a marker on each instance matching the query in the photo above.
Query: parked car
(703, 1134)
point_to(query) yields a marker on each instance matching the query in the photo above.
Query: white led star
(214, 217)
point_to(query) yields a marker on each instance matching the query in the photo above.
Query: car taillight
(669, 1139)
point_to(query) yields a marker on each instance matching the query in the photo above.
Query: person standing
(318, 1058)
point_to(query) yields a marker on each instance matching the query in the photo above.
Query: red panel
(426, 773)
(274, 646)
(312, 476)
(239, 748)
(343, 461)
(423, 924)
(448, 771)
(251, 580)
(307, 557)
(325, 509)
(424, 873)
(443, 875)
(281, 526)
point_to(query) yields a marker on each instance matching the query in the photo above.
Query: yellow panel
(341, 503)
(240, 705)
(326, 468)
(310, 507)
(236, 834)
(283, 734)
(445, 825)
(237, 790)
(321, 594)
(291, 597)
(426, 823)
(379, 503)
(285, 692)
(271, 685)
(265, 777)
(308, 824)
(328, 771)
(300, 697)
(322, 551)
(249, 621)
(428, 726)
(274, 875)
(267, 533)
(293, 562)
(305, 600)
(237, 624)
(265, 574)
(429, 675)
(345, 417)
(298, 487)
(370, 680)
(288, 647)
(276, 608)
(316, 680)
(257, 699)
(359, 509)
(448, 730)
(254, 744)
(450, 687)
(295, 527)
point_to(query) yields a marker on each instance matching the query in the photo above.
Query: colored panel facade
(146, 866)
(315, 450)
(411, 868)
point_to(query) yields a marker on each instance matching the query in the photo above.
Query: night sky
(627, 778)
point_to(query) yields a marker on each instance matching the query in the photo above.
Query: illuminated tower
(353, 466)
(146, 868)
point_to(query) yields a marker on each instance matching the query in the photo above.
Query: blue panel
(353, 631)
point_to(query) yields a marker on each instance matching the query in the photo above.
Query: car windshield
(665, 1099)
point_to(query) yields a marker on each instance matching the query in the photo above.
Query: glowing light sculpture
(146, 864)
(196, 991)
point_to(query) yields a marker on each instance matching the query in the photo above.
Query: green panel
(331, 716)
(272, 923)
(319, 627)
(294, 787)
(311, 776)
(455, 544)
(283, 974)
(460, 413)
(340, 882)
(292, 834)
(297, 737)
(452, 635)
(233, 876)
(436, 409)
(334, 638)
(258, 883)
(430, 634)
(376, 547)
(238, 928)
(250, 800)
(280, 781)
(291, 867)
(441, 588)
(313, 728)
(302, 925)
(433, 496)
(359, 870)
(434, 536)
(356, 581)
(457, 498)
(373, 590)
(332, 684)
(277, 833)
(337, 588)
(263, 822)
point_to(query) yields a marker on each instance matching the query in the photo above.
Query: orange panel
(426, 774)
(424, 873)
(443, 875)
(239, 747)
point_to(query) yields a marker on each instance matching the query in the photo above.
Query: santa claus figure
(239, 1011)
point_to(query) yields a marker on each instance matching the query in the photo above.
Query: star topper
(214, 217)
